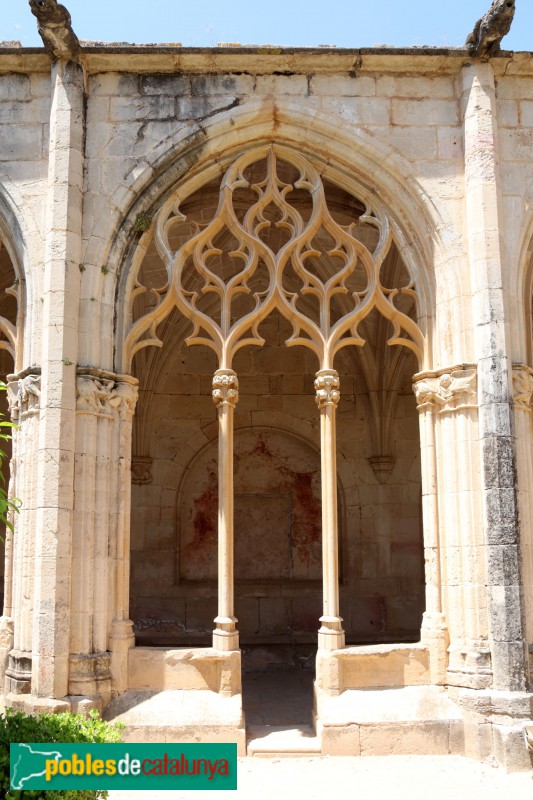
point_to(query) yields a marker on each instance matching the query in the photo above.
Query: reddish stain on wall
(306, 520)
(203, 544)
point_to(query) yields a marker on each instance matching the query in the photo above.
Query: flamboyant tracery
(288, 274)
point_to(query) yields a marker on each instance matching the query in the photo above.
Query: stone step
(270, 741)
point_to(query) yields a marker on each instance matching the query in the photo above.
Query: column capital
(523, 387)
(105, 394)
(327, 387)
(225, 388)
(24, 393)
(141, 470)
(447, 390)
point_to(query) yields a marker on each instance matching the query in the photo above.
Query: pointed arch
(352, 157)
(13, 241)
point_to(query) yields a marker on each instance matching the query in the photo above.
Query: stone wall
(443, 144)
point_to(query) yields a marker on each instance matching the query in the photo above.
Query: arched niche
(382, 576)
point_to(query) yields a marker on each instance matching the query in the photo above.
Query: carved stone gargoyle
(484, 41)
(55, 29)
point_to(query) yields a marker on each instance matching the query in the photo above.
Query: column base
(225, 635)
(470, 666)
(6, 645)
(18, 672)
(121, 641)
(90, 676)
(434, 634)
(496, 725)
(331, 635)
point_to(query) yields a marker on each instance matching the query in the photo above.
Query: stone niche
(278, 584)
(278, 571)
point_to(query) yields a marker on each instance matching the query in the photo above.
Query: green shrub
(16, 726)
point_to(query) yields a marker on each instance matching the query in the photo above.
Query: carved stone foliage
(523, 387)
(327, 386)
(141, 470)
(24, 396)
(225, 388)
(447, 390)
(105, 395)
(281, 248)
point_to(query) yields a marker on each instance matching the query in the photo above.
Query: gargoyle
(484, 41)
(55, 29)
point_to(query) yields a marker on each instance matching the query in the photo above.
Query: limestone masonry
(267, 331)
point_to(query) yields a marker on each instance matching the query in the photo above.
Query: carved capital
(24, 395)
(523, 387)
(105, 394)
(327, 387)
(447, 390)
(141, 470)
(225, 388)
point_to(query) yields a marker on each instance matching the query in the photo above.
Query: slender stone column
(225, 397)
(496, 423)
(123, 399)
(327, 385)
(55, 491)
(523, 414)
(455, 576)
(434, 631)
(24, 392)
(104, 402)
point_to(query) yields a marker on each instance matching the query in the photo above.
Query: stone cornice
(265, 60)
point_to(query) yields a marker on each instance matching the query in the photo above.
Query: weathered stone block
(424, 112)
(163, 84)
(421, 738)
(15, 86)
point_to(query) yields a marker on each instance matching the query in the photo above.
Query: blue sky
(201, 23)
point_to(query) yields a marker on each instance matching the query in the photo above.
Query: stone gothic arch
(257, 254)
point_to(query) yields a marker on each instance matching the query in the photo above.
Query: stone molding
(24, 394)
(523, 387)
(105, 394)
(447, 390)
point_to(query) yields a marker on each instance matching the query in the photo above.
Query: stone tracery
(357, 280)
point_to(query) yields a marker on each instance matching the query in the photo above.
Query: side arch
(13, 239)
(523, 336)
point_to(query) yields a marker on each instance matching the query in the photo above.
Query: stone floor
(398, 777)
(284, 699)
